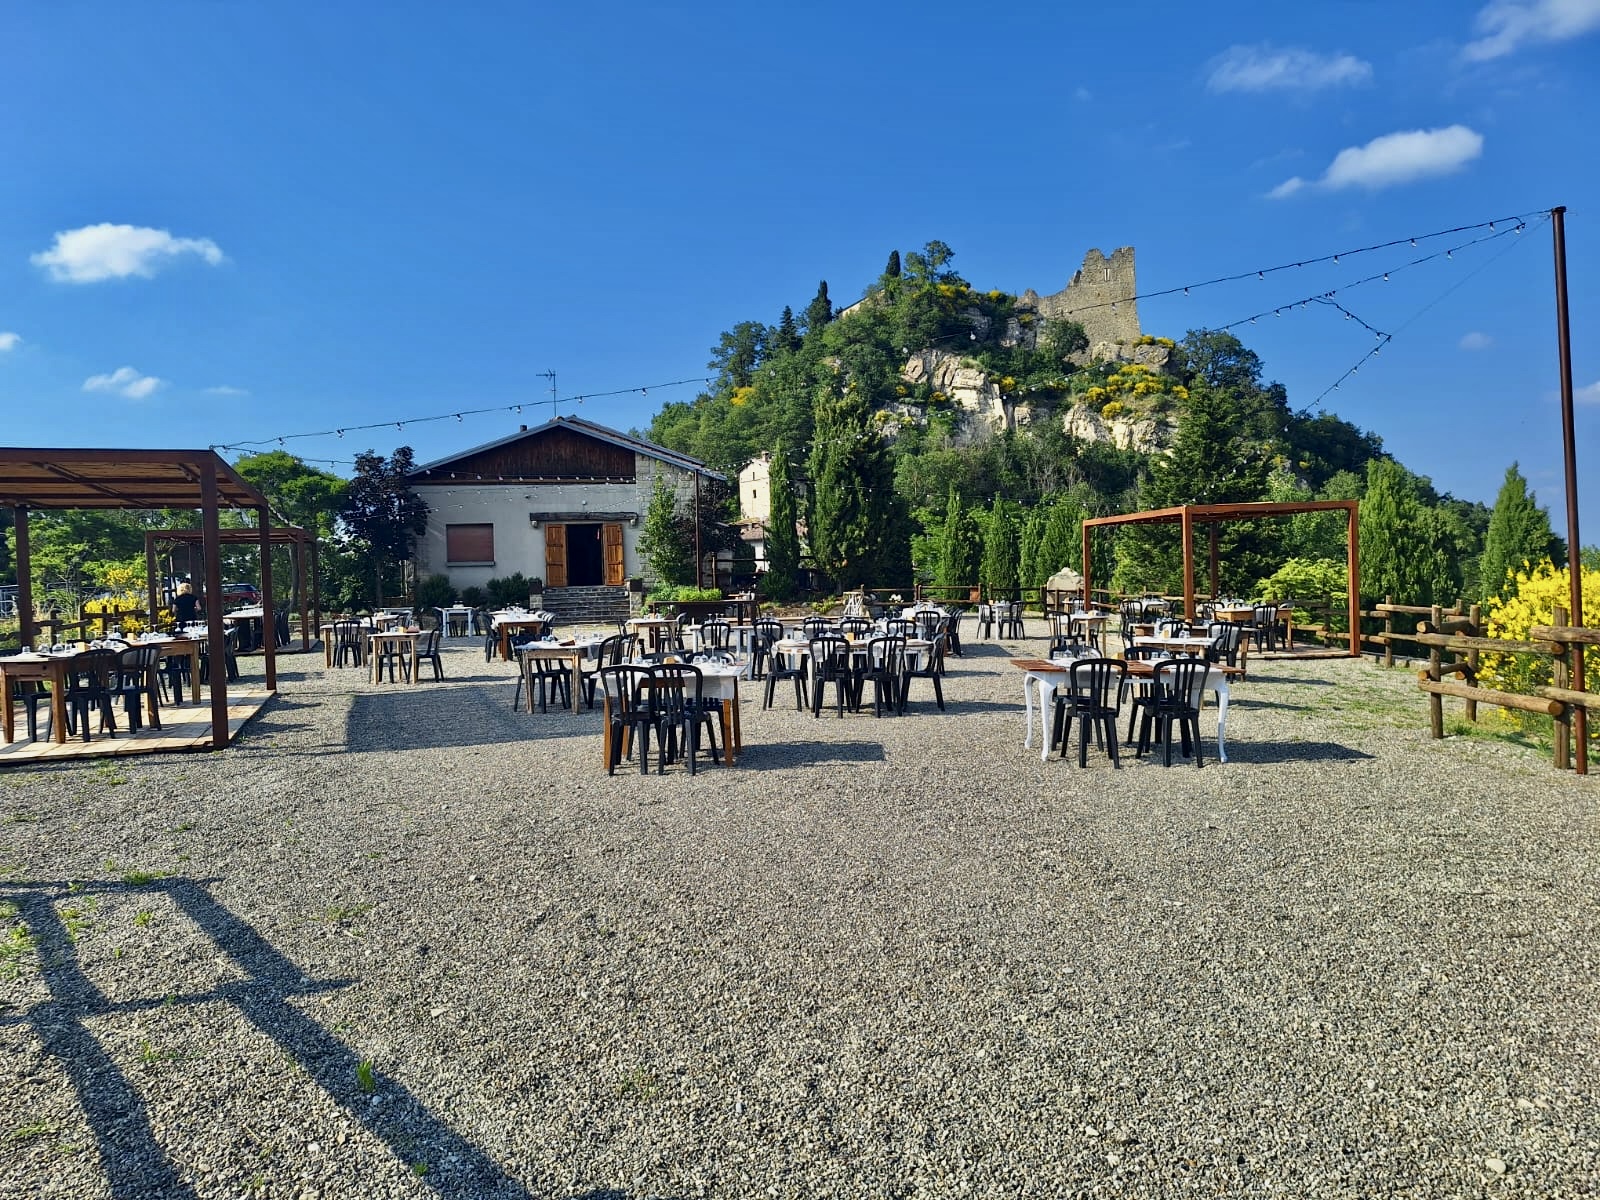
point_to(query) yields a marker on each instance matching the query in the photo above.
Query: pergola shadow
(135, 1163)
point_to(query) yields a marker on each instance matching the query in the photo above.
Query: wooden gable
(548, 455)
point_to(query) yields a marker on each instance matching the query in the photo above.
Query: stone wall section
(1088, 297)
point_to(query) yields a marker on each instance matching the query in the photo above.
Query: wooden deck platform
(183, 728)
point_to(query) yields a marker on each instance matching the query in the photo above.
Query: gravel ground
(407, 943)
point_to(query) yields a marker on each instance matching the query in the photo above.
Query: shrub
(1533, 602)
(683, 594)
(1112, 410)
(510, 590)
(473, 597)
(435, 591)
(1308, 579)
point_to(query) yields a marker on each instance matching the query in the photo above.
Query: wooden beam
(1549, 708)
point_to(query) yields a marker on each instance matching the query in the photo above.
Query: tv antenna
(551, 376)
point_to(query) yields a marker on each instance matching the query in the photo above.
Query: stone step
(589, 605)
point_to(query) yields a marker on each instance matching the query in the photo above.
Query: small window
(464, 544)
(1108, 274)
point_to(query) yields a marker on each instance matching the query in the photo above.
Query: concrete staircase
(588, 605)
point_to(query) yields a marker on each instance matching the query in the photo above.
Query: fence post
(1561, 676)
(1436, 673)
(1472, 662)
(1388, 632)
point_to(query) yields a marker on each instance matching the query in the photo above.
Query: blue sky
(227, 222)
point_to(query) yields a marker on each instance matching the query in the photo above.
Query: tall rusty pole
(1580, 715)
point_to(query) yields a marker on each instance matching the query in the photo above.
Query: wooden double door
(584, 554)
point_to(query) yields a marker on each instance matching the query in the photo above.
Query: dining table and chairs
(74, 686)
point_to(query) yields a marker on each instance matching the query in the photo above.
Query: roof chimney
(522, 429)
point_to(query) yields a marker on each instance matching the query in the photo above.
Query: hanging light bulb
(1413, 243)
(516, 408)
(1336, 259)
(340, 432)
(1386, 277)
(1450, 254)
(1185, 291)
(399, 426)
(1491, 225)
(1261, 275)
(458, 416)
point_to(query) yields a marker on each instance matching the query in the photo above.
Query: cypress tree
(820, 311)
(852, 506)
(1519, 532)
(892, 271)
(783, 537)
(1000, 553)
(958, 545)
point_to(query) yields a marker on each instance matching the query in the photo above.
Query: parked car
(238, 595)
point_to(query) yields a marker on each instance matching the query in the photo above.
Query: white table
(718, 681)
(456, 610)
(1184, 644)
(1046, 681)
(573, 653)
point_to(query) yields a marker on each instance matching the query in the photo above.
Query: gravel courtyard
(404, 942)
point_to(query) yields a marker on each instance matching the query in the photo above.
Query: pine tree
(787, 338)
(783, 536)
(1519, 532)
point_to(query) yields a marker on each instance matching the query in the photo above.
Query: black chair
(553, 679)
(349, 644)
(230, 657)
(929, 622)
(632, 712)
(31, 693)
(931, 667)
(902, 627)
(1094, 698)
(1265, 624)
(816, 626)
(766, 632)
(854, 627)
(1225, 637)
(830, 663)
(1176, 688)
(680, 640)
(682, 710)
(428, 652)
(715, 634)
(138, 680)
(882, 667)
(393, 657)
(90, 676)
(613, 652)
(781, 666)
(951, 628)
(491, 636)
(1010, 619)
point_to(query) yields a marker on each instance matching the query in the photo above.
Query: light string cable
(1385, 338)
(1262, 272)
(456, 415)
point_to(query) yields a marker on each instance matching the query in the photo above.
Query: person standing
(186, 605)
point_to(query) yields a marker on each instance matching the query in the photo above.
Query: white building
(562, 502)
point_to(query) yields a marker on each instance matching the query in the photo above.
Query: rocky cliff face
(982, 409)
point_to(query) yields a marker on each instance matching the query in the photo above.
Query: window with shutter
(469, 545)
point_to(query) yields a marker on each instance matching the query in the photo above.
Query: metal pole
(1580, 715)
(699, 578)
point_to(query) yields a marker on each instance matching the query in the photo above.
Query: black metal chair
(1176, 688)
(1094, 698)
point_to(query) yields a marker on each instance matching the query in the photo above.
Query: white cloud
(1395, 158)
(9, 341)
(1082, 94)
(1588, 395)
(1264, 69)
(124, 381)
(1505, 25)
(225, 390)
(104, 251)
(1476, 341)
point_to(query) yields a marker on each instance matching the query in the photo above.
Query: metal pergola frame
(40, 479)
(1211, 515)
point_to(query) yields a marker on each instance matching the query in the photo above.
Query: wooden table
(32, 668)
(656, 630)
(1247, 616)
(395, 637)
(189, 647)
(716, 681)
(531, 652)
(506, 625)
(327, 636)
(1187, 644)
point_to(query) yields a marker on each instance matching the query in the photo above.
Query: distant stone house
(562, 502)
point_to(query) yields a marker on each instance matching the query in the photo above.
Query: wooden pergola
(75, 478)
(299, 540)
(1211, 515)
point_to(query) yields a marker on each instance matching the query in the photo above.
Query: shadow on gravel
(134, 1162)
(1252, 702)
(810, 754)
(415, 718)
(1294, 752)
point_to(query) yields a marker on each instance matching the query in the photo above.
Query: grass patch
(364, 1077)
(142, 878)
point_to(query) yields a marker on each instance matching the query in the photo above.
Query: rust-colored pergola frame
(292, 536)
(32, 478)
(1190, 515)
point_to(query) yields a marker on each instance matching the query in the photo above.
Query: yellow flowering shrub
(741, 396)
(1111, 411)
(1539, 589)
